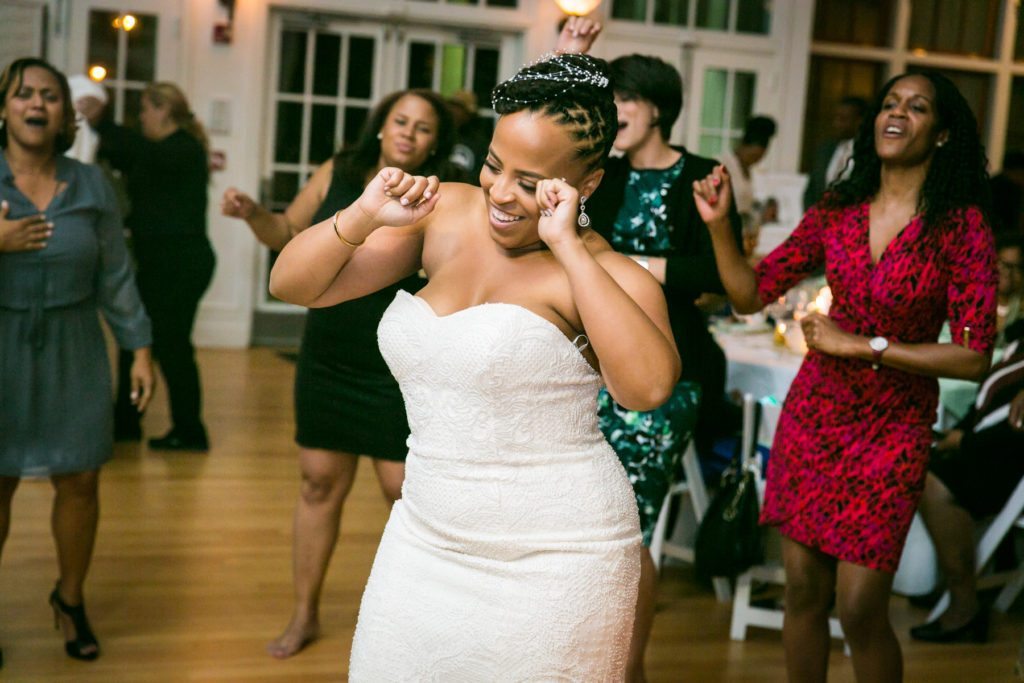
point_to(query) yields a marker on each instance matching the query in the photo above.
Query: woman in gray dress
(62, 259)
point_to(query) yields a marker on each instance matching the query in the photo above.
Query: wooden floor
(192, 569)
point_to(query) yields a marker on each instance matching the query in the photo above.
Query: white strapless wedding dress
(514, 554)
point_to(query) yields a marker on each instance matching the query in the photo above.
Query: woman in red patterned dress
(905, 245)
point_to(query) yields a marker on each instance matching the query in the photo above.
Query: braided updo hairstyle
(575, 91)
(957, 177)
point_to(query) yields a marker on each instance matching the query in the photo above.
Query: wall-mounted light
(97, 73)
(125, 22)
(577, 8)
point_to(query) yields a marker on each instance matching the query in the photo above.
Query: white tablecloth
(756, 365)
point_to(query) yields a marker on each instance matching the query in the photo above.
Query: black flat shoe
(84, 646)
(974, 631)
(175, 442)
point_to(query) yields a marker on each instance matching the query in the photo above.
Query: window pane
(1006, 207)
(754, 16)
(485, 75)
(634, 10)
(132, 98)
(360, 67)
(421, 65)
(829, 81)
(141, 62)
(959, 26)
(711, 146)
(974, 87)
(860, 22)
(103, 41)
(326, 64)
(287, 143)
(283, 188)
(321, 132)
(355, 117)
(743, 89)
(671, 12)
(1018, 50)
(713, 14)
(453, 68)
(712, 113)
(292, 76)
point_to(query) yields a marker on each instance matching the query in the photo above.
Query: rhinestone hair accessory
(569, 73)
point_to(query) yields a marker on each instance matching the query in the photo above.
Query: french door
(327, 75)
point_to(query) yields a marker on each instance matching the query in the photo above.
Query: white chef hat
(83, 86)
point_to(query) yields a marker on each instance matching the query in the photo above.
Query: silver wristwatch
(878, 346)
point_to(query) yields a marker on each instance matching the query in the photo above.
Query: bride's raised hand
(558, 202)
(397, 198)
(713, 196)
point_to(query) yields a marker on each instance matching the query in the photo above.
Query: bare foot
(295, 637)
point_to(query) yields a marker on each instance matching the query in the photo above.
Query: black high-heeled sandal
(84, 646)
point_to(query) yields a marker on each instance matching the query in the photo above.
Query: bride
(514, 552)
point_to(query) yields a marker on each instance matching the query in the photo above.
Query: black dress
(345, 397)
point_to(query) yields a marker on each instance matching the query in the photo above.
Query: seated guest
(973, 471)
(1010, 254)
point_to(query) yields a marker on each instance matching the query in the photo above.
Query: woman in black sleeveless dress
(347, 403)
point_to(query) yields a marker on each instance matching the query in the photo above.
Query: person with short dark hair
(757, 135)
(644, 207)
(833, 160)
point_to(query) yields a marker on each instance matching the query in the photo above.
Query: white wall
(238, 74)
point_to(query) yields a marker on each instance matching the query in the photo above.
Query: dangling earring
(380, 135)
(584, 220)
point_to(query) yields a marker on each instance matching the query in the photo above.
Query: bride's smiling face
(527, 147)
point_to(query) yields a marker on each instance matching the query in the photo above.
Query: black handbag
(729, 539)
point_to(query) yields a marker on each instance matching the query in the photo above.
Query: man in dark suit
(831, 159)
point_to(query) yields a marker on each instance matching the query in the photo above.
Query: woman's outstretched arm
(275, 229)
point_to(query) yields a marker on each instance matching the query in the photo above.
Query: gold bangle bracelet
(341, 237)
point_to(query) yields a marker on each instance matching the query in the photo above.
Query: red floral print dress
(851, 450)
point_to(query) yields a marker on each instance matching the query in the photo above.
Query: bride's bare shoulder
(457, 206)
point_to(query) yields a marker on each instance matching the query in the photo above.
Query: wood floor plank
(192, 570)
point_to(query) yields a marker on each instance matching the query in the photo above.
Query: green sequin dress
(650, 444)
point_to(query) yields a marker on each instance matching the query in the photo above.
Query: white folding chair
(1009, 518)
(744, 613)
(680, 544)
